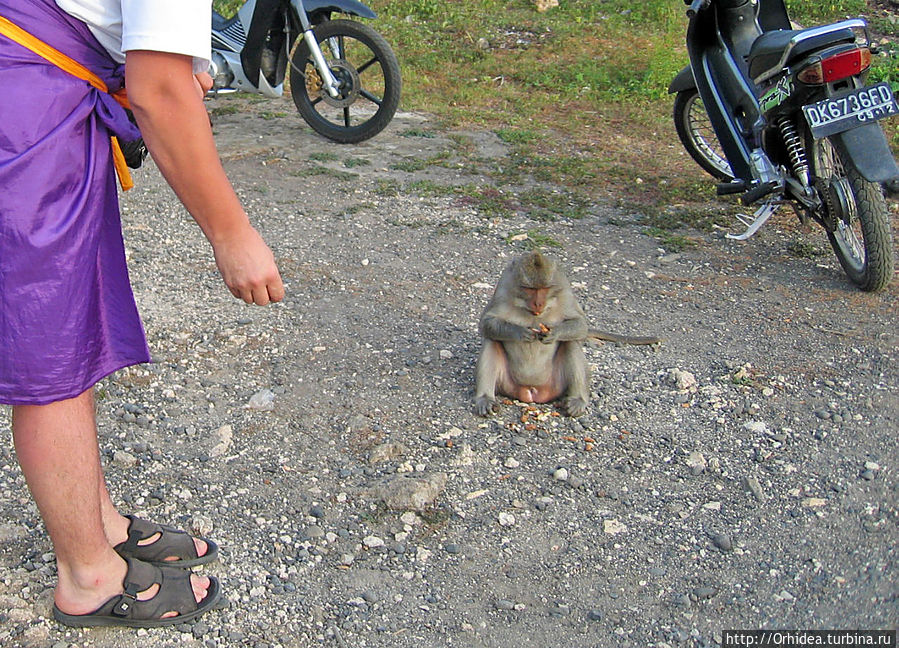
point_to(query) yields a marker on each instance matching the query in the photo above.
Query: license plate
(850, 109)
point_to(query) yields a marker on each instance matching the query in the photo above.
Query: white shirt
(177, 26)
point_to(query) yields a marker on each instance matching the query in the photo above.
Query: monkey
(533, 332)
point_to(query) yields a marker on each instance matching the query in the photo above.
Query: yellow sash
(60, 60)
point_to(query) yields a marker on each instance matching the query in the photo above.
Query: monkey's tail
(622, 339)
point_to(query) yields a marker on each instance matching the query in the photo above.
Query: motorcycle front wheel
(856, 218)
(694, 129)
(369, 76)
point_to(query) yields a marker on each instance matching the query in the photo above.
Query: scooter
(344, 77)
(784, 115)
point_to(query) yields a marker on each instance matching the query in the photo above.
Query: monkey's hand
(542, 333)
(484, 406)
(495, 328)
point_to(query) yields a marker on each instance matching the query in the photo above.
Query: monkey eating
(533, 332)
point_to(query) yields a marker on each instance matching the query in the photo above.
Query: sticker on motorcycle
(850, 109)
(777, 95)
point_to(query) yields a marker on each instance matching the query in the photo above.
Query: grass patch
(804, 250)
(429, 188)
(533, 240)
(387, 188)
(668, 240)
(417, 132)
(323, 156)
(489, 202)
(319, 170)
(351, 163)
(227, 109)
(578, 92)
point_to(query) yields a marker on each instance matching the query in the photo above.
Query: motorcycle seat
(768, 49)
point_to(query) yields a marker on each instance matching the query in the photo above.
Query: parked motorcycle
(785, 115)
(344, 77)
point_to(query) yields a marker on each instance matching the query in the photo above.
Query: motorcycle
(783, 115)
(344, 77)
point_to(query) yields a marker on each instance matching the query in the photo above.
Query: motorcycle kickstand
(754, 223)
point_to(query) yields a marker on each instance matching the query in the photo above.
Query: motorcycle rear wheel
(696, 134)
(368, 72)
(861, 236)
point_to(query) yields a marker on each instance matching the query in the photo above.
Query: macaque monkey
(534, 330)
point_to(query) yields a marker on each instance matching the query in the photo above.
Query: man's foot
(85, 589)
(159, 544)
(147, 596)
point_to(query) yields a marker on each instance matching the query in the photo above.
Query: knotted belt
(73, 67)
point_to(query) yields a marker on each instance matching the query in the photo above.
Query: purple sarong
(67, 312)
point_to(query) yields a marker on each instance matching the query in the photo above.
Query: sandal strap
(171, 542)
(175, 593)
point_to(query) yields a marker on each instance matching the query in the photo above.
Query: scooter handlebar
(696, 6)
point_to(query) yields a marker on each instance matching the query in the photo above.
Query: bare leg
(56, 446)
(116, 525)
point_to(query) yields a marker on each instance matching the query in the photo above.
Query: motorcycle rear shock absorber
(795, 150)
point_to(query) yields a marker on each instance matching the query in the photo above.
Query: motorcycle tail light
(837, 67)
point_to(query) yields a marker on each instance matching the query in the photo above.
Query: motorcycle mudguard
(351, 7)
(867, 150)
(683, 81)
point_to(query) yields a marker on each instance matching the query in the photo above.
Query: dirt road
(741, 475)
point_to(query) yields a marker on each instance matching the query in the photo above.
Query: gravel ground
(743, 474)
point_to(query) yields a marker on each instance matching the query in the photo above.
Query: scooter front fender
(683, 81)
(352, 7)
(867, 150)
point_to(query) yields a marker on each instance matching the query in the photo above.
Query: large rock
(408, 493)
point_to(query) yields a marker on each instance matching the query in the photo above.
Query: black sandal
(171, 542)
(175, 595)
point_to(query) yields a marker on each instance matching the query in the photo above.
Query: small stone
(868, 475)
(506, 519)
(313, 532)
(753, 486)
(560, 474)
(505, 604)
(124, 460)
(696, 462)
(201, 525)
(613, 527)
(594, 615)
(511, 462)
(262, 401)
(405, 493)
(451, 548)
(723, 542)
(372, 542)
(225, 436)
(702, 593)
(682, 380)
(317, 511)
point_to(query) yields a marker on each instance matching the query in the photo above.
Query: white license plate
(850, 109)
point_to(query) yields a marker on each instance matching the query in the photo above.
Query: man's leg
(56, 446)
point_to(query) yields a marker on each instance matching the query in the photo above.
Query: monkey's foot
(484, 406)
(575, 407)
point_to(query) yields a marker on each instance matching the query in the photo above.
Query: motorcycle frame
(719, 38)
(241, 49)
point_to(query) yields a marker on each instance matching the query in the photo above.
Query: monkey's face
(535, 299)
